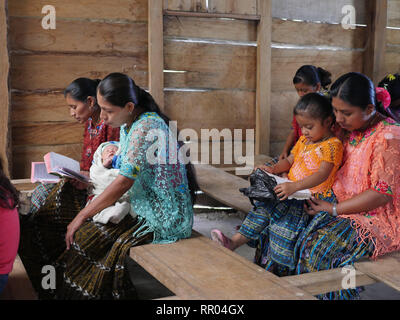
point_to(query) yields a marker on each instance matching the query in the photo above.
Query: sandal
(220, 238)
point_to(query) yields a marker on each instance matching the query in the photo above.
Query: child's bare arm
(288, 145)
(281, 166)
(286, 189)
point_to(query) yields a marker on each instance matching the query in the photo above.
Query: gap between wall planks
(4, 90)
(263, 92)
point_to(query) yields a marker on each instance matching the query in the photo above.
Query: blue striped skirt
(288, 241)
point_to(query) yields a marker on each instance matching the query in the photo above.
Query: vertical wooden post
(156, 51)
(376, 43)
(263, 94)
(4, 90)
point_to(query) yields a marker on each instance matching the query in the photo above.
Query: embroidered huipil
(160, 193)
(372, 161)
(308, 159)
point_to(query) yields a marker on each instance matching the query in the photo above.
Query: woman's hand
(284, 190)
(317, 205)
(78, 184)
(71, 229)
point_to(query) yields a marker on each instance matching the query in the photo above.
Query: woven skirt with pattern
(288, 241)
(42, 238)
(94, 267)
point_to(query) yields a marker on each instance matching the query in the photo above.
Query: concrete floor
(206, 220)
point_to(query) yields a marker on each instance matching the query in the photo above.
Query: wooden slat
(223, 187)
(48, 134)
(210, 28)
(156, 52)
(285, 63)
(206, 65)
(394, 13)
(211, 109)
(392, 57)
(263, 82)
(23, 156)
(392, 37)
(18, 287)
(184, 267)
(4, 90)
(234, 6)
(80, 36)
(325, 281)
(44, 72)
(23, 184)
(375, 51)
(317, 34)
(39, 107)
(385, 269)
(133, 10)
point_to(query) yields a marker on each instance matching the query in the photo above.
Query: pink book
(39, 174)
(54, 166)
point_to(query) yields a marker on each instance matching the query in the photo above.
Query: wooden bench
(197, 268)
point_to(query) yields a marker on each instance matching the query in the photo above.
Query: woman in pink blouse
(9, 227)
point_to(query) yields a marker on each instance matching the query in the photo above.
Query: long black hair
(315, 105)
(312, 75)
(82, 88)
(357, 90)
(9, 196)
(120, 89)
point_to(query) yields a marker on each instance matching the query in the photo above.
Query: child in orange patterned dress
(312, 164)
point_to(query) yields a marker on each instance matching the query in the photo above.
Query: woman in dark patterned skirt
(53, 206)
(160, 186)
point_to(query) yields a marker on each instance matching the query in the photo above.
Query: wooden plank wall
(295, 43)
(210, 64)
(392, 56)
(92, 38)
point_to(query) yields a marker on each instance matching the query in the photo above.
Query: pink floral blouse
(371, 160)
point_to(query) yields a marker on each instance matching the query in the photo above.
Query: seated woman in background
(307, 79)
(9, 227)
(53, 206)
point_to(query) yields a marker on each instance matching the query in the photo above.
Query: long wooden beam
(156, 51)
(263, 94)
(376, 35)
(4, 89)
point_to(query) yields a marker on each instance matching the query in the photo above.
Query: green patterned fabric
(160, 194)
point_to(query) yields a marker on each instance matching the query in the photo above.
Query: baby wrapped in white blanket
(102, 173)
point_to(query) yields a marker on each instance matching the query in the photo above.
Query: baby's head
(314, 114)
(108, 154)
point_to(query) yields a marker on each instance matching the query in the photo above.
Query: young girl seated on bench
(312, 164)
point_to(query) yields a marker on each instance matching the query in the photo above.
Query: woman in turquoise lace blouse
(160, 188)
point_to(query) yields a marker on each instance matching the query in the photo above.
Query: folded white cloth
(101, 178)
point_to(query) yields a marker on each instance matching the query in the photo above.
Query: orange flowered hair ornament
(383, 97)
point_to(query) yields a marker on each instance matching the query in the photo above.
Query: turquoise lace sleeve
(160, 193)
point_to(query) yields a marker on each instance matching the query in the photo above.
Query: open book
(299, 195)
(55, 166)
